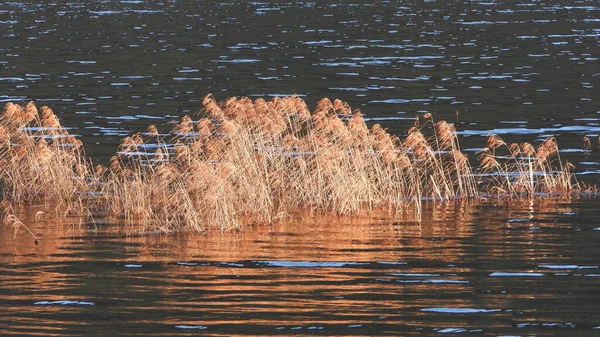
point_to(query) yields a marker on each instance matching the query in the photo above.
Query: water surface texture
(113, 67)
(525, 70)
(493, 269)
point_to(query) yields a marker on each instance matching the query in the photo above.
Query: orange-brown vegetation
(246, 162)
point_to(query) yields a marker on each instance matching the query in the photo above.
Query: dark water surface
(494, 269)
(527, 68)
(523, 69)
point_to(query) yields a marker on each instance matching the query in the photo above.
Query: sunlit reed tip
(587, 144)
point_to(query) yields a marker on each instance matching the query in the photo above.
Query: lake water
(494, 269)
(525, 70)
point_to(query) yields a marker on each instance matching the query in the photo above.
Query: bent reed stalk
(253, 162)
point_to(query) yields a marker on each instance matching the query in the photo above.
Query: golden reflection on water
(334, 273)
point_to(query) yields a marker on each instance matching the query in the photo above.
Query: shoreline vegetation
(249, 162)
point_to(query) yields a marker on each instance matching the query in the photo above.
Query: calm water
(525, 70)
(492, 269)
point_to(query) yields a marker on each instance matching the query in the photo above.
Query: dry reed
(40, 162)
(522, 170)
(247, 162)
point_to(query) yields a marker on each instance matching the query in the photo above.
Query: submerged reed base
(254, 162)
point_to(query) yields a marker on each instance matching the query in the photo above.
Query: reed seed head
(527, 149)
(494, 141)
(152, 130)
(488, 162)
(515, 150)
(587, 144)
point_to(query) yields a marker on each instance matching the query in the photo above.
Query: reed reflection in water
(501, 268)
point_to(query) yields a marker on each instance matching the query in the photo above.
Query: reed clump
(521, 169)
(252, 162)
(40, 162)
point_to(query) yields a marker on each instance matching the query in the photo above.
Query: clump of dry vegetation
(254, 161)
(40, 162)
(251, 162)
(521, 169)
